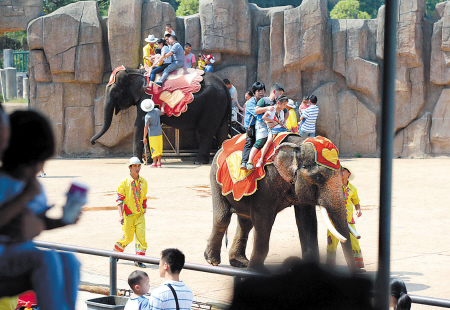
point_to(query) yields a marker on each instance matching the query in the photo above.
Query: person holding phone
(54, 276)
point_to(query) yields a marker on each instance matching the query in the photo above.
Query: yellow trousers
(332, 243)
(156, 145)
(133, 225)
(9, 303)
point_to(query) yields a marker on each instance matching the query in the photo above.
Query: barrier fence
(236, 273)
(21, 61)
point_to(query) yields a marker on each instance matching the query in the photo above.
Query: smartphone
(76, 198)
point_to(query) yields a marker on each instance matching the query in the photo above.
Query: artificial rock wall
(73, 52)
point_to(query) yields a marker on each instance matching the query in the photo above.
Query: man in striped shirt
(308, 127)
(172, 291)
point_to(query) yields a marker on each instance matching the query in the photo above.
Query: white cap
(151, 39)
(352, 175)
(147, 105)
(134, 161)
(291, 103)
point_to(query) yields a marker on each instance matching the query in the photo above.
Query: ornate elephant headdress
(326, 152)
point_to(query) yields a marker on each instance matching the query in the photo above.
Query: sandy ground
(180, 215)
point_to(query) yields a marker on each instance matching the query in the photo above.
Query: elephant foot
(260, 268)
(240, 262)
(198, 163)
(211, 259)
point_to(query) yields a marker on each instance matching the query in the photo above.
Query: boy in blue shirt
(139, 282)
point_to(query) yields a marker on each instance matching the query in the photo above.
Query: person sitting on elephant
(351, 199)
(263, 105)
(258, 90)
(162, 63)
(201, 62)
(153, 130)
(178, 59)
(148, 51)
(277, 117)
(209, 60)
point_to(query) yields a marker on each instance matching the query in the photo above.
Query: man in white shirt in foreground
(172, 290)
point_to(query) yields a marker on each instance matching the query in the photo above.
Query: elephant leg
(221, 220)
(263, 227)
(138, 145)
(306, 218)
(205, 142)
(237, 250)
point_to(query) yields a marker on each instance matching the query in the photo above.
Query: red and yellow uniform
(291, 122)
(148, 51)
(351, 198)
(133, 195)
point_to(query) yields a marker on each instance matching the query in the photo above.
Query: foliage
(12, 40)
(348, 9)
(52, 5)
(430, 6)
(358, 155)
(187, 7)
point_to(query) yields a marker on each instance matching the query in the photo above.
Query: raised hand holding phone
(76, 198)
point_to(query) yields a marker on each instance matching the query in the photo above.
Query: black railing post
(112, 276)
(387, 138)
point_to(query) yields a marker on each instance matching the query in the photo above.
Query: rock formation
(73, 52)
(15, 15)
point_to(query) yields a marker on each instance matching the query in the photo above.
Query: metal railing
(113, 256)
(236, 273)
(21, 61)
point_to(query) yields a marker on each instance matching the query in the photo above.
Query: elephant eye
(319, 178)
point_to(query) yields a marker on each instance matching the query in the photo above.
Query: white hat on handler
(147, 105)
(134, 161)
(291, 103)
(352, 175)
(151, 39)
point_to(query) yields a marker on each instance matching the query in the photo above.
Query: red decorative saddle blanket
(231, 177)
(177, 91)
(112, 78)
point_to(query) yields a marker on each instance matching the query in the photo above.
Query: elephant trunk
(108, 111)
(332, 198)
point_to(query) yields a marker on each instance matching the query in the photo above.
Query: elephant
(208, 114)
(294, 179)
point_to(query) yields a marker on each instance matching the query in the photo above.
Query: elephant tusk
(354, 232)
(330, 226)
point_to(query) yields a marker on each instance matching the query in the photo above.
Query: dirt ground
(180, 215)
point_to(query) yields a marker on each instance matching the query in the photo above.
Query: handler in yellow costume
(351, 198)
(291, 122)
(132, 204)
(149, 50)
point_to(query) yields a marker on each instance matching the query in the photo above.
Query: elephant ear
(137, 89)
(287, 160)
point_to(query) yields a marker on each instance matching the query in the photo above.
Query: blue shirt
(249, 112)
(310, 114)
(166, 50)
(209, 68)
(178, 52)
(153, 122)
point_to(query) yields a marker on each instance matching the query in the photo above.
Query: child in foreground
(139, 282)
(275, 116)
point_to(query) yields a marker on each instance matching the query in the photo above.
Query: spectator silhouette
(304, 286)
(53, 276)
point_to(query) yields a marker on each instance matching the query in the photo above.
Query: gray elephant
(208, 113)
(295, 178)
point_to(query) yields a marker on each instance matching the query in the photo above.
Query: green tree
(430, 6)
(52, 5)
(187, 7)
(348, 9)
(371, 7)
